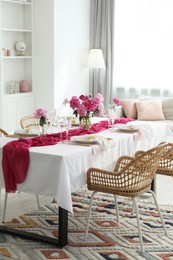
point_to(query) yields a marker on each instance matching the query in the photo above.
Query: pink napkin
(15, 155)
(123, 120)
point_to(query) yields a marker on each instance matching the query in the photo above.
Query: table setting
(55, 164)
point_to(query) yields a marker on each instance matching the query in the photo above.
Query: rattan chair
(131, 177)
(4, 133)
(166, 162)
(29, 121)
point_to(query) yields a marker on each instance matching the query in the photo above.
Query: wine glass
(61, 122)
(106, 115)
(68, 121)
(51, 116)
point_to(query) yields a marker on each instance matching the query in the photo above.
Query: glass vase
(43, 129)
(43, 125)
(85, 122)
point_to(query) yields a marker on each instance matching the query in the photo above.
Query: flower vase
(85, 122)
(43, 125)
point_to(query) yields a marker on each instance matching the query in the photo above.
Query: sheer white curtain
(143, 47)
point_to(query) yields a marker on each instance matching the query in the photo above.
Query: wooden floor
(20, 203)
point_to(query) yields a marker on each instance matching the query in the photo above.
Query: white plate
(84, 139)
(24, 132)
(127, 127)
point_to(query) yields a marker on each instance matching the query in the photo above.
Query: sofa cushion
(129, 107)
(167, 105)
(150, 110)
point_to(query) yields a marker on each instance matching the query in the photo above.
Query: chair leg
(160, 214)
(116, 206)
(138, 222)
(38, 202)
(133, 208)
(5, 206)
(89, 215)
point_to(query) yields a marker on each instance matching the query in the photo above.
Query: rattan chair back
(166, 161)
(133, 178)
(29, 121)
(3, 132)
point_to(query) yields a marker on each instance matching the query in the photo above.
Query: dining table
(59, 170)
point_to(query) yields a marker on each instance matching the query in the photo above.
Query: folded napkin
(91, 139)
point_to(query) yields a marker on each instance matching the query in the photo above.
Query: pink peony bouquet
(86, 105)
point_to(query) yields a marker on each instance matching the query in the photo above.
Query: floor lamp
(95, 62)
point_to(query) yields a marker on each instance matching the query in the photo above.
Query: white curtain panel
(102, 37)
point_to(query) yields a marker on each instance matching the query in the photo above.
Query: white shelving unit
(15, 25)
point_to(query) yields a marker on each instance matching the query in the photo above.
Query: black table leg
(61, 241)
(63, 227)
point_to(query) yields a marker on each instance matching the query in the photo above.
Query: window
(143, 54)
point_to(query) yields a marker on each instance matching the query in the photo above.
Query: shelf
(16, 57)
(15, 30)
(21, 94)
(16, 2)
(15, 25)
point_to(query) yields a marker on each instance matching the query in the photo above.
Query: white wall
(61, 45)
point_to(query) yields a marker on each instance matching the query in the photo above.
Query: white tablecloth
(58, 170)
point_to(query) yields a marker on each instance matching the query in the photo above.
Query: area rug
(107, 239)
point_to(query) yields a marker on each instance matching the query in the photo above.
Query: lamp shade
(95, 59)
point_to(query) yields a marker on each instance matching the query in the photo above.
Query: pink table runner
(15, 160)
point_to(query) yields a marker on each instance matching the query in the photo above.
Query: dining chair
(132, 177)
(29, 121)
(166, 161)
(4, 133)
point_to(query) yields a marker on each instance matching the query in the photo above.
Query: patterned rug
(107, 240)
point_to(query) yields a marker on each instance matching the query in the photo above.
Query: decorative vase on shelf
(85, 122)
(24, 86)
(43, 125)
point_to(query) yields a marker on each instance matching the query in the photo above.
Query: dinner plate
(24, 133)
(84, 139)
(127, 127)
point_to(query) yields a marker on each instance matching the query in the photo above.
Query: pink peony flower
(74, 102)
(40, 112)
(82, 110)
(117, 101)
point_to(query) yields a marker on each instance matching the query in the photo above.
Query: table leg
(63, 227)
(60, 242)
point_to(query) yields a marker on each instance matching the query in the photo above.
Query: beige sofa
(147, 108)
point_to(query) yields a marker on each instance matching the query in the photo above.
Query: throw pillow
(129, 107)
(150, 110)
(167, 105)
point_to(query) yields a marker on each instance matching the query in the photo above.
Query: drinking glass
(51, 116)
(68, 121)
(106, 115)
(61, 122)
(111, 113)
